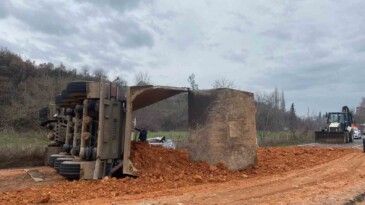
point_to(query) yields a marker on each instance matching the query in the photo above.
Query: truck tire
(70, 170)
(43, 115)
(351, 135)
(363, 144)
(77, 89)
(59, 100)
(62, 99)
(53, 158)
(58, 161)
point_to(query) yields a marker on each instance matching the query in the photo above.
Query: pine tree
(276, 98)
(282, 102)
(292, 119)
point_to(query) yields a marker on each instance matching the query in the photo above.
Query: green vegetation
(21, 149)
(12, 138)
(283, 138)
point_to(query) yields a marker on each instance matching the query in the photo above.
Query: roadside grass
(21, 149)
(284, 138)
(13, 138)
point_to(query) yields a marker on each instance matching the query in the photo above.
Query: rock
(198, 179)
(244, 176)
(212, 168)
(115, 194)
(45, 198)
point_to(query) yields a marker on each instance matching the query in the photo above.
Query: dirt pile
(162, 169)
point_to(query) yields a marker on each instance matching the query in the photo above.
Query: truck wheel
(70, 170)
(351, 136)
(363, 144)
(59, 100)
(77, 89)
(58, 161)
(53, 158)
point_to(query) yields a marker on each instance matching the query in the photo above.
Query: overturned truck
(91, 127)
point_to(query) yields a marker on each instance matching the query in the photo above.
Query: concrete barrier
(222, 127)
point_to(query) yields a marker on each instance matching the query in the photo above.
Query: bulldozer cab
(344, 117)
(335, 117)
(339, 119)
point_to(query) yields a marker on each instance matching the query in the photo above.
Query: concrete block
(222, 127)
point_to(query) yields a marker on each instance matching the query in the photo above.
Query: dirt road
(286, 175)
(336, 182)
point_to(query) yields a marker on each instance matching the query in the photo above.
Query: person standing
(142, 134)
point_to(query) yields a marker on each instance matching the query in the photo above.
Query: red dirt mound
(162, 169)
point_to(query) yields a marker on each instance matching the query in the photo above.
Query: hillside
(26, 87)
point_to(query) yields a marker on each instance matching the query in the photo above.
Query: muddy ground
(299, 175)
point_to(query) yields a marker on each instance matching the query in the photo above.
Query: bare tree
(121, 81)
(99, 72)
(359, 115)
(85, 70)
(191, 80)
(142, 78)
(223, 83)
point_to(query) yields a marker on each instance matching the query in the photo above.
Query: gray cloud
(79, 36)
(279, 33)
(130, 34)
(4, 9)
(235, 56)
(358, 44)
(243, 19)
(310, 72)
(43, 17)
(121, 6)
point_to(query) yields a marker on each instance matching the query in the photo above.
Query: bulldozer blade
(330, 137)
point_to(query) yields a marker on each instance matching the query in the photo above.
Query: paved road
(357, 143)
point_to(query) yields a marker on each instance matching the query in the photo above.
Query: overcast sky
(313, 50)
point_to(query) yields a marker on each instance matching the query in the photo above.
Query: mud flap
(131, 169)
(36, 175)
(330, 137)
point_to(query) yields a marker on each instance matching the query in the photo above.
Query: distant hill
(26, 87)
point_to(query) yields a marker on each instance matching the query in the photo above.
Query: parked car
(162, 141)
(357, 134)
